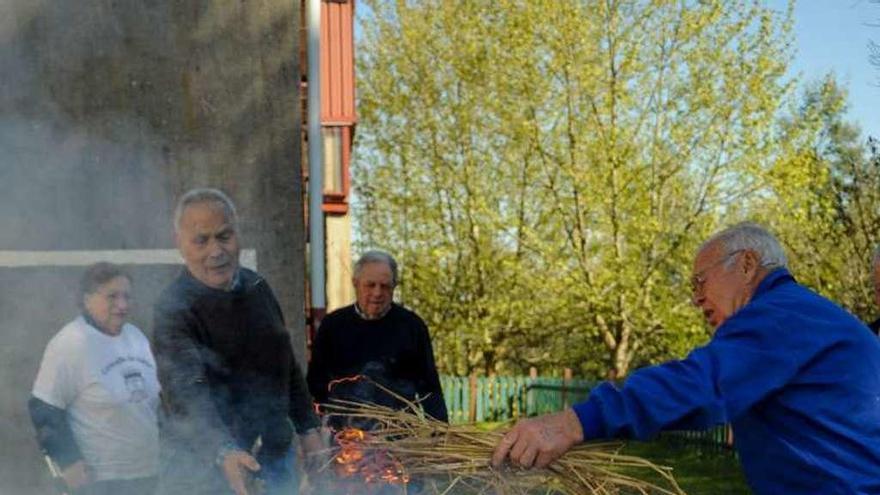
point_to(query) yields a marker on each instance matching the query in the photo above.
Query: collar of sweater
(363, 316)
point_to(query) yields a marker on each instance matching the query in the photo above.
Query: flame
(354, 378)
(350, 435)
(377, 466)
(349, 456)
(345, 379)
(351, 453)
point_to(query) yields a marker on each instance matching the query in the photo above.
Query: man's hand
(313, 448)
(539, 441)
(236, 465)
(76, 475)
(311, 441)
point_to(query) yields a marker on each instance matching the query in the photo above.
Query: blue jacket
(797, 376)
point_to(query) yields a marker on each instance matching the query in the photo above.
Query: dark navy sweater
(227, 368)
(797, 376)
(394, 350)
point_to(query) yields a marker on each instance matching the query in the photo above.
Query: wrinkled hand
(76, 475)
(539, 441)
(236, 465)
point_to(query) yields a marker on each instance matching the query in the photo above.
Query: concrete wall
(109, 109)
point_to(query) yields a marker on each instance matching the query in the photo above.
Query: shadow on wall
(109, 110)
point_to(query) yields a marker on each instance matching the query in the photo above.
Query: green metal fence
(500, 398)
(472, 399)
(717, 438)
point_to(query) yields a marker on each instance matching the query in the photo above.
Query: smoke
(76, 173)
(109, 110)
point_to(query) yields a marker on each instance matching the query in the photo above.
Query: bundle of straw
(450, 459)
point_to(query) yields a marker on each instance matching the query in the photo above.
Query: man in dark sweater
(226, 366)
(378, 339)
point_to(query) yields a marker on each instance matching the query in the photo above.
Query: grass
(697, 471)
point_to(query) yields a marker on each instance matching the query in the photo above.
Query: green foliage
(824, 199)
(545, 170)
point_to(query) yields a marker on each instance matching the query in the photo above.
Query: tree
(823, 199)
(546, 169)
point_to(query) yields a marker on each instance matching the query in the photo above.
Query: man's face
(374, 288)
(718, 291)
(208, 242)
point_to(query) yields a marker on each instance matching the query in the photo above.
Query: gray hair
(751, 236)
(97, 275)
(204, 195)
(376, 256)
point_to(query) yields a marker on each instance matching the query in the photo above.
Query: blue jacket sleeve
(749, 358)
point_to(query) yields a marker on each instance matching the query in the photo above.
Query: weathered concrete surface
(109, 109)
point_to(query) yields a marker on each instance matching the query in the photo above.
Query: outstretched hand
(539, 441)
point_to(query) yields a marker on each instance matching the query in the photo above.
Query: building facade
(338, 123)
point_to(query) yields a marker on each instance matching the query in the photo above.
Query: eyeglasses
(699, 279)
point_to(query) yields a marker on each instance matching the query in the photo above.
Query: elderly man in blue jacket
(797, 376)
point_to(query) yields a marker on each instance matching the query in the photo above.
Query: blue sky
(833, 35)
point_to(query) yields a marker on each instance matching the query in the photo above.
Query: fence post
(566, 378)
(472, 393)
(530, 392)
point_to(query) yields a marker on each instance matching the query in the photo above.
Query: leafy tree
(545, 170)
(824, 199)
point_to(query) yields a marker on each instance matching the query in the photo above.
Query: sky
(833, 35)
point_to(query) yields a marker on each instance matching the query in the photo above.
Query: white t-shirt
(108, 386)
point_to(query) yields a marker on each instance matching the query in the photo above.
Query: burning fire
(354, 459)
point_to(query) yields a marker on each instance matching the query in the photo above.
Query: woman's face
(108, 305)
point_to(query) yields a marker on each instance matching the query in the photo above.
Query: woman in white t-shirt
(96, 395)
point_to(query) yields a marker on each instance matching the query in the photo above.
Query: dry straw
(444, 459)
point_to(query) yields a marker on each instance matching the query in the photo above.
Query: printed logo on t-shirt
(120, 360)
(131, 370)
(136, 386)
